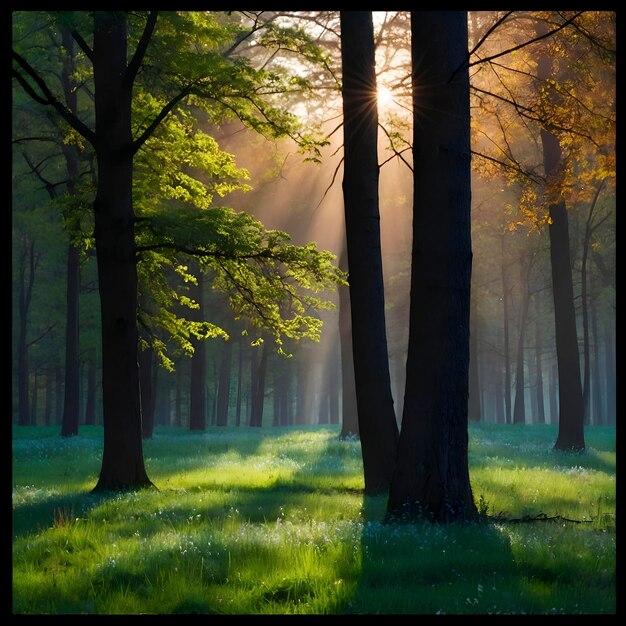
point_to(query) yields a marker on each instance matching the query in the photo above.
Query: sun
(384, 97)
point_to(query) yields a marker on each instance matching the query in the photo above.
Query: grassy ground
(274, 521)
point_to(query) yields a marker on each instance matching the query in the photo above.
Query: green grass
(274, 521)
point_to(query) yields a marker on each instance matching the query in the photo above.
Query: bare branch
(140, 51)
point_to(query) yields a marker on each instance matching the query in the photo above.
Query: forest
(313, 312)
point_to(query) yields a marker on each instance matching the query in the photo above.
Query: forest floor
(274, 521)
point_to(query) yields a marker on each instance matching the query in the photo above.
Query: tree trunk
(122, 460)
(90, 410)
(258, 390)
(333, 385)
(611, 388)
(178, 401)
(58, 395)
(28, 263)
(378, 429)
(598, 413)
(349, 417)
(541, 411)
(474, 408)
(33, 403)
(571, 408)
(147, 387)
(223, 389)
(519, 408)
(47, 414)
(71, 405)
(553, 392)
(239, 385)
(197, 397)
(507, 349)
(303, 397)
(431, 478)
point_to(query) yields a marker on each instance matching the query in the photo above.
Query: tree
(377, 423)
(209, 76)
(571, 406)
(431, 476)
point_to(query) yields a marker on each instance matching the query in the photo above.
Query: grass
(275, 522)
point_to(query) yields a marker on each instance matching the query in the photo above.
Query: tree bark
(378, 429)
(90, 409)
(147, 388)
(122, 460)
(507, 349)
(71, 404)
(223, 389)
(611, 388)
(47, 413)
(541, 411)
(197, 395)
(519, 407)
(431, 478)
(258, 390)
(571, 407)
(474, 406)
(349, 417)
(239, 385)
(598, 413)
(28, 264)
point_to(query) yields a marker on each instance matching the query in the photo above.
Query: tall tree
(571, 406)
(431, 477)
(378, 429)
(233, 87)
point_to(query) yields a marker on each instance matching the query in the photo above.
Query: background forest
(206, 156)
(282, 259)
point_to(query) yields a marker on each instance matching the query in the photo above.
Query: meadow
(274, 521)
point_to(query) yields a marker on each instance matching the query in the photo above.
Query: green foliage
(274, 522)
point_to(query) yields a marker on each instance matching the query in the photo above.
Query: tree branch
(50, 99)
(140, 51)
(82, 44)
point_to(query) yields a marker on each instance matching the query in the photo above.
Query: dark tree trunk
(258, 390)
(197, 396)
(507, 349)
(58, 395)
(47, 413)
(90, 410)
(500, 416)
(333, 385)
(519, 408)
(571, 408)
(378, 429)
(35, 394)
(223, 389)
(474, 407)
(553, 393)
(147, 387)
(71, 404)
(178, 401)
(28, 264)
(303, 397)
(585, 307)
(349, 417)
(122, 460)
(541, 411)
(431, 478)
(239, 385)
(571, 434)
(598, 413)
(611, 388)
